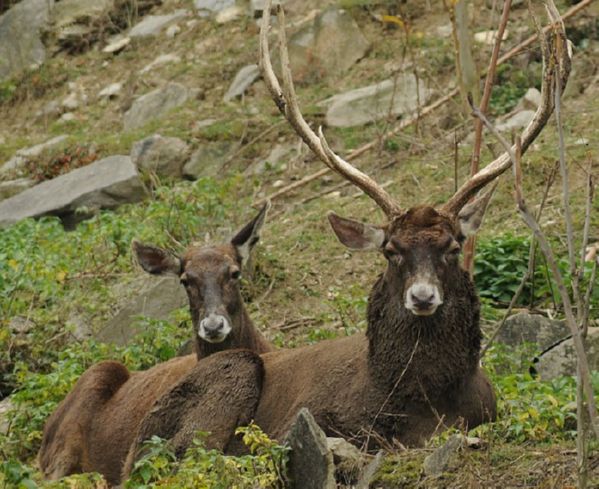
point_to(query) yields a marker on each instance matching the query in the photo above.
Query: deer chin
(423, 312)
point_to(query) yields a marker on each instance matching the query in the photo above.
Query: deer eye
(393, 255)
(235, 274)
(184, 280)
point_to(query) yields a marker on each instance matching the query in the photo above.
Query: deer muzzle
(214, 328)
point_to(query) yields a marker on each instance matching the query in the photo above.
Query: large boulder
(561, 360)
(156, 299)
(242, 81)
(155, 104)
(163, 156)
(368, 104)
(532, 328)
(21, 46)
(329, 45)
(103, 184)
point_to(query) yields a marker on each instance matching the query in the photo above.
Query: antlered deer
(93, 427)
(417, 367)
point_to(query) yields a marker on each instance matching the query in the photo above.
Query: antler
(286, 101)
(556, 69)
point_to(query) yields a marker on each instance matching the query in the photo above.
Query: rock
(532, 328)
(160, 60)
(116, 45)
(488, 37)
(530, 101)
(561, 360)
(74, 100)
(111, 91)
(370, 471)
(157, 299)
(154, 104)
(14, 187)
(23, 155)
(172, 31)
(348, 459)
(152, 25)
(20, 325)
(444, 30)
(310, 461)
(67, 117)
(51, 109)
(229, 14)
(6, 405)
(329, 45)
(517, 121)
(163, 156)
(209, 7)
(103, 184)
(207, 160)
(242, 81)
(21, 47)
(438, 461)
(374, 102)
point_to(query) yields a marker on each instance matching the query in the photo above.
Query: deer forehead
(422, 225)
(210, 258)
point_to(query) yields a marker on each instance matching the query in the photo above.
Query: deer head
(210, 275)
(421, 244)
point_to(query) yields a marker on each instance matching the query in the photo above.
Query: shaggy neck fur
(430, 353)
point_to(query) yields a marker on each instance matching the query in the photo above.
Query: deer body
(94, 426)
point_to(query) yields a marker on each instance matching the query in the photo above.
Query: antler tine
(556, 69)
(286, 101)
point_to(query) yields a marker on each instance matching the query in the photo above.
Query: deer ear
(470, 218)
(249, 235)
(155, 260)
(357, 235)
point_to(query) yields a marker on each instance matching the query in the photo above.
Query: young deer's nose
(213, 324)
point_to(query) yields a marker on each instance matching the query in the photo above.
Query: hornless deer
(93, 427)
(417, 367)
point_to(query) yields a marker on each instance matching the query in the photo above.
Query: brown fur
(408, 375)
(92, 429)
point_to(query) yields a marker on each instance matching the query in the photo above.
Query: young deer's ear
(155, 260)
(470, 218)
(357, 235)
(249, 235)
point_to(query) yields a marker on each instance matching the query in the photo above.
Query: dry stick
(529, 270)
(424, 112)
(582, 309)
(548, 252)
(470, 245)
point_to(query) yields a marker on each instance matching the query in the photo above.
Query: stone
(327, 46)
(158, 297)
(310, 461)
(488, 37)
(14, 187)
(111, 91)
(67, 117)
(23, 155)
(207, 160)
(347, 458)
(73, 100)
(51, 109)
(164, 156)
(517, 121)
(20, 325)
(152, 25)
(159, 61)
(561, 360)
(370, 471)
(155, 104)
(209, 7)
(229, 14)
(172, 31)
(437, 462)
(532, 328)
(242, 81)
(21, 46)
(6, 405)
(374, 102)
(116, 45)
(106, 183)
(532, 99)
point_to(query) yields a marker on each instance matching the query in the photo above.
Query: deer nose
(213, 324)
(423, 298)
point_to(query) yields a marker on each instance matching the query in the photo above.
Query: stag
(417, 367)
(93, 427)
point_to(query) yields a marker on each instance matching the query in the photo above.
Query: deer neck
(421, 357)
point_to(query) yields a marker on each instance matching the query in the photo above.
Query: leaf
(393, 19)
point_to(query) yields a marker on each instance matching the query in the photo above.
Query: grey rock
(561, 360)
(517, 121)
(50, 110)
(229, 14)
(531, 100)
(209, 7)
(6, 405)
(20, 325)
(155, 104)
(370, 471)
(207, 160)
(163, 156)
(67, 117)
(14, 187)
(111, 91)
(347, 458)
(159, 61)
(74, 21)
(21, 47)
(172, 30)
(310, 461)
(374, 102)
(532, 328)
(156, 299)
(242, 81)
(152, 25)
(103, 184)
(23, 155)
(116, 45)
(329, 45)
(438, 461)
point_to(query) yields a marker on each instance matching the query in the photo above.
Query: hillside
(105, 86)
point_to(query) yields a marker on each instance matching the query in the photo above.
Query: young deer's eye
(235, 274)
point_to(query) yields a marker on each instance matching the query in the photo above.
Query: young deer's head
(210, 275)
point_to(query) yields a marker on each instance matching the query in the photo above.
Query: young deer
(93, 427)
(416, 369)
